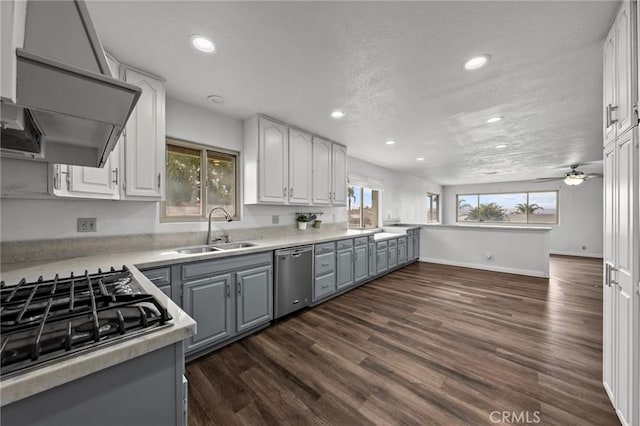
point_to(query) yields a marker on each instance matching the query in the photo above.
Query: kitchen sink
(232, 246)
(198, 249)
(213, 248)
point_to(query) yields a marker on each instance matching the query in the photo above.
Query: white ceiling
(396, 69)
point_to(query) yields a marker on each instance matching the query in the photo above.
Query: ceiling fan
(574, 177)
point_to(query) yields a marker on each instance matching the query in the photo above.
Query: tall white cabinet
(621, 288)
(286, 165)
(135, 169)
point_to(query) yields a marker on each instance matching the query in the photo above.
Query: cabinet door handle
(115, 176)
(159, 178)
(284, 191)
(155, 278)
(239, 287)
(325, 285)
(290, 192)
(228, 290)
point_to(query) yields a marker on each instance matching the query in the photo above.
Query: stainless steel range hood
(68, 107)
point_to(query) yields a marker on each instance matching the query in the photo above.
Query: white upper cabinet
(273, 149)
(13, 17)
(620, 85)
(144, 148)
(88, 182)
(322, 191)
(339, 181)
(285, 165)
(300, 165)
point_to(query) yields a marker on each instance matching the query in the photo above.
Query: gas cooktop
(45, 321)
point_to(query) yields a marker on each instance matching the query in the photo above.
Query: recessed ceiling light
(337, 114)
(494, 119)
(216, 99)
(476, 62)
(420, 159)
(390, 142)
(501, 146)
(203, 44)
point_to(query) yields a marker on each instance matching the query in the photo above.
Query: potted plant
(302, 221)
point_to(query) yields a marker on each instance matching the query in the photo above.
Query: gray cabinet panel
(254, 299)
(344, 244)
(372, 260)
(324, 286)
(166, 289)
(233, 263)
(325, 248)
(361, 263)
(402, 250)
(361, 241)
(344, 268)
(161, 277)
(325, 263)
(416, 244)
(208, 301)
(381, 258)
(410, 245)
(393, 254)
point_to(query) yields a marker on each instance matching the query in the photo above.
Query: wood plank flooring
(427, 344)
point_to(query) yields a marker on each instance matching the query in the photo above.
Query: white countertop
(57, 373)
(492, 227)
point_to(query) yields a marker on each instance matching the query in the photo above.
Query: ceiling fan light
(572, 180)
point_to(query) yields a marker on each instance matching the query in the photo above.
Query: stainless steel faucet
(227, 216)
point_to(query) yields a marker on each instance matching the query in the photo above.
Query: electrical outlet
(87, 224)
(584, 247)
(275, 219)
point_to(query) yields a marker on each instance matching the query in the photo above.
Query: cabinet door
(321, 171)
(361, 262)
(402, 254)
(339, 181)
(144, 148)
(393, 256)
(416, 244)
(273, 147)
(300, 166)
(372, 260)
(624, 114)
(344, 268)
(208, 301)
(254, 298)
(93, 182)
(381, 260)
(609, 299)
(609, 88)
(410, 237)
(624, 242)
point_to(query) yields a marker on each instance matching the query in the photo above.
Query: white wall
(403, 196)
(580, 209)
(35, 219)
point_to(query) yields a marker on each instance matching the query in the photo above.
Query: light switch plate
(87, 224)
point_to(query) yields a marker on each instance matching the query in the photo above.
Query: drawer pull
(325, 285)
(325, 265)
(155, 278)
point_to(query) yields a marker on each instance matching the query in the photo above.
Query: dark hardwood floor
(428, 344)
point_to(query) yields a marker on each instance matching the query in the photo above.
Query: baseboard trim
(516, 271)
(577, 254)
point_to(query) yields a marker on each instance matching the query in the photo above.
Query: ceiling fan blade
(592, 175)
(542, 180)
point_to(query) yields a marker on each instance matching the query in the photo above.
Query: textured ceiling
(396, 69)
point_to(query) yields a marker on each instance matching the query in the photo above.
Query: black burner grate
(45, 320)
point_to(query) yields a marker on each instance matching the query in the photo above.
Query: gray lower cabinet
(410, 255)
(372, 260)
(254, 300)
(416, 244)
(361, 263)
(227, 297)
(161, 278)
(392, 253)
(344, 264)
(208, 302)
(324, 283)
(381, 257)
(402, 250)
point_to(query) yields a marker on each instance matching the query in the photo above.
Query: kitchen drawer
(325, 248)
(393, 243)
(361, 241)
(402, 241)
(158, 276)
(325, 263)
(345, 244)
(372, 239)
(194, 270)
(324, 286)
(381, 245)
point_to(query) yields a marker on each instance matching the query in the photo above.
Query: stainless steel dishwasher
(294, 279)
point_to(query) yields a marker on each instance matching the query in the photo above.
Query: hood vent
(69, 109)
